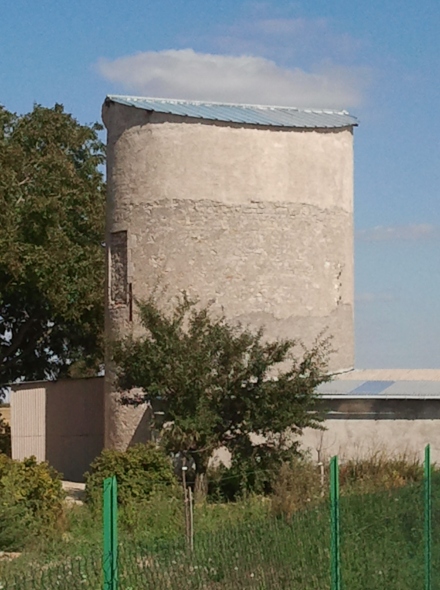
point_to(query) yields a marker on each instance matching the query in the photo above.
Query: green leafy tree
(52, 199)
(220, 385)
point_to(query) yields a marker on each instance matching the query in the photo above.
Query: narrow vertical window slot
(118, 268)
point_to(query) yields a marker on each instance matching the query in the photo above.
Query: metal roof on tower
(272, 116)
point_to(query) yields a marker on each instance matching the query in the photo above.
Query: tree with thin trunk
(219, 385)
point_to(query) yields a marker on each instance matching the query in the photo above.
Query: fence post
(335, 532)
(428, 518)
(110, 514)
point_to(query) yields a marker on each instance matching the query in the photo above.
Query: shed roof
(390, 375)
(357, 388)
(272, 116)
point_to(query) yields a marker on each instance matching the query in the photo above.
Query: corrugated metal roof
(272, 116)
(372, 387)
(355, 389)
(390, 375)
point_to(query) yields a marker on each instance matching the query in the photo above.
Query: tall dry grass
(302, 482)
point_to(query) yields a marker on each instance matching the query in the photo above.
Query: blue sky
(379, 60)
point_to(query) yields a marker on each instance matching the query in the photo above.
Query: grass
(246, 545)
(381, 547)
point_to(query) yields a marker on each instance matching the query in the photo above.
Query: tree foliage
(220, 385)
(52, 199)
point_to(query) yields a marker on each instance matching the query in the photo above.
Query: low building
(61, 422)
(391, 411)
(368, 411)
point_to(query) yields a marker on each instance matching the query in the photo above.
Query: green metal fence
(384, 539)
(110, 541)
(428, 518)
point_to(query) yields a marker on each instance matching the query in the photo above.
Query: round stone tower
(251, 207)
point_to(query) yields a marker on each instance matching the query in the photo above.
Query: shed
(61, 422)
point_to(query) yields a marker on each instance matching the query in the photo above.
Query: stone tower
(249, 206)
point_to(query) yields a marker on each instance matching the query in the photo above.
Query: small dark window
(118, 267)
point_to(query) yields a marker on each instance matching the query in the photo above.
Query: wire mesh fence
(382, 540)
(72, 573)
(269, 553)
(351, 541)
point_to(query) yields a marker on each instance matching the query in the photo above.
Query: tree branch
(17, 340)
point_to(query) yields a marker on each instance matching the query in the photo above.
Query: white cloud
(413, 232)
(189, 75)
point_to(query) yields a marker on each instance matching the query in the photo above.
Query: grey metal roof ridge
(176, 101)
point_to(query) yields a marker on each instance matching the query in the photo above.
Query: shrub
(140, 471)
(253, 470)
(17, 525)
(31, 500)
(246, 476)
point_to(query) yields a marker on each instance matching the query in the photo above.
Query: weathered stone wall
(257, 219)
